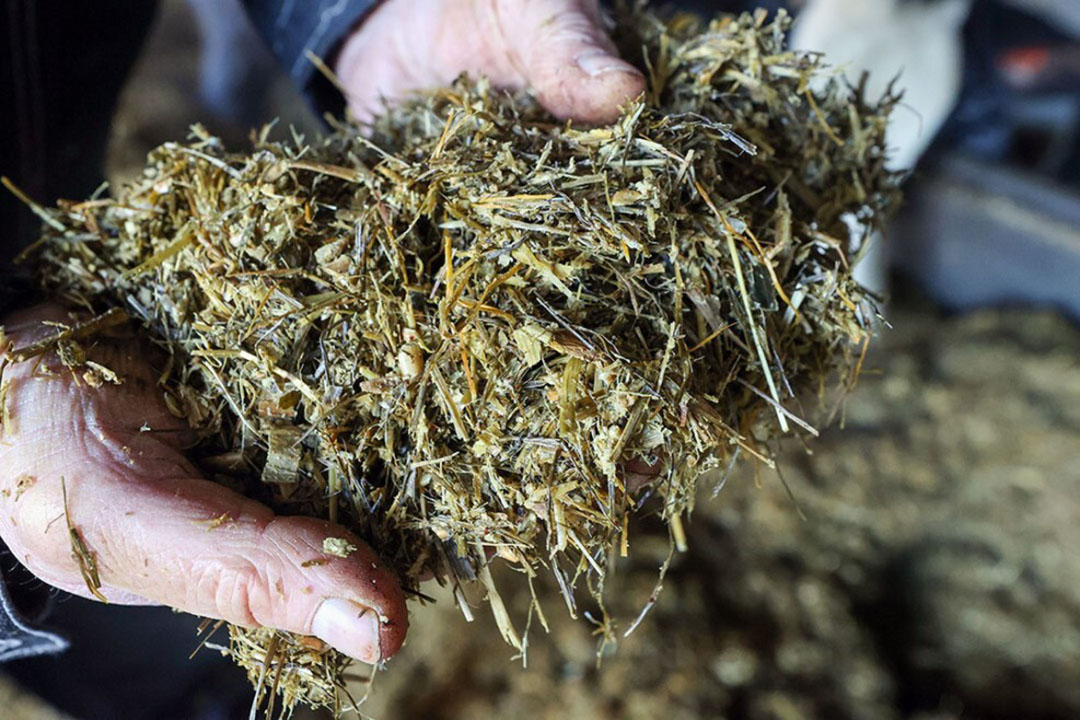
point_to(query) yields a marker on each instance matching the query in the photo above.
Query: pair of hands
(142, 509)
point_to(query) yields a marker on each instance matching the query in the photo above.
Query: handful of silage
(487, 330)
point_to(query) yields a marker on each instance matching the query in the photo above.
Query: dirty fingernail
(349, 627)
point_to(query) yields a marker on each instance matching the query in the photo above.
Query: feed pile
(483, 332)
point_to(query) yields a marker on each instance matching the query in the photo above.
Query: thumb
(199, 547)
(573, 67)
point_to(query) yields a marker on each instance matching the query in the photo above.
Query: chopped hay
(486, 333)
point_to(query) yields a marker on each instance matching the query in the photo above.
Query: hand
(156, 531)
(557, 48)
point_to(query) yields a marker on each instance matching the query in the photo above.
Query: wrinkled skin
(556, 48)
(158, 531)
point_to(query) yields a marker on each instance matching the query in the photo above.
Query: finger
(156, 532)
(639, 473)
(408, 46)
(572, 66)
(556, 47)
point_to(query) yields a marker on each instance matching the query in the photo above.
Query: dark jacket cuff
(17, 638)
(293, 27)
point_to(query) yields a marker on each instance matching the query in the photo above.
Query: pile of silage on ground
(487, 331)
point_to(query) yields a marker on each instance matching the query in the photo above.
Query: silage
(483, 333)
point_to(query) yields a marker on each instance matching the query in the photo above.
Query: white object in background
(919, 44)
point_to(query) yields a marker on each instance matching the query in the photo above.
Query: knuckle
(243, 590)
(229, 589)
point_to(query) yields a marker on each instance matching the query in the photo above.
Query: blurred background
(931, 569)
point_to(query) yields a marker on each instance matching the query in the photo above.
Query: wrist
(293, 29)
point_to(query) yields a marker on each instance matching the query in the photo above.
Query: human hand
(156, 531)
(557, 48)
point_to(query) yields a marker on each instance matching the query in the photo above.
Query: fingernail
(599, 62)
(349, 627)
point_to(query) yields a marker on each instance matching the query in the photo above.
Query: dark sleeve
(17, 638)
(62, 65)
(292, 28)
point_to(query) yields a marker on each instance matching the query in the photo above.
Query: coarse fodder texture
(487, 334)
